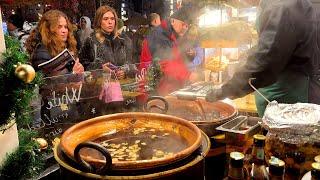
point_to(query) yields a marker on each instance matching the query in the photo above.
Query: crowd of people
(105, 45)
(287, 48)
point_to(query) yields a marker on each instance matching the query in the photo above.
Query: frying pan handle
(103, 170)
(164, 109)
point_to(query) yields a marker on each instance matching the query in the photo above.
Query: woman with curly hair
(52, 35)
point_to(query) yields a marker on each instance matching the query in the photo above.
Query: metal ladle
(250, 83)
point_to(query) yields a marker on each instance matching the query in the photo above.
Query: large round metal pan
(137, 127)
(206, 115)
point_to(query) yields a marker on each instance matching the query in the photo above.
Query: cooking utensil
(238, 130)
(190, 96)
(119, 125)
(252, 86)
(206, 115)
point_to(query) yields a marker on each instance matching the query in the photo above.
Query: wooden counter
(246, 104)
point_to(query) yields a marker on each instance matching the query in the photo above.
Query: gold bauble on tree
(43, 144)
(25, 72)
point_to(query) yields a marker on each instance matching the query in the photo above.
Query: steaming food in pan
(140, 144)
(196, 111)
(134, 140)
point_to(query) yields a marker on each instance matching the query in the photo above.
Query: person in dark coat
(52, 35)
(154, 21)
(84, 31)
(286, 64)
(105, 47)
(162, 43)
(15, 27)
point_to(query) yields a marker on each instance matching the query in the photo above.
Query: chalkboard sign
(69, 99)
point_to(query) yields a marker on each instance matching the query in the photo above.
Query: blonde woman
(52, 35)
(106, 48)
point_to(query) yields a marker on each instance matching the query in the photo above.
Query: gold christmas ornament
(42, 142)
(25, 72)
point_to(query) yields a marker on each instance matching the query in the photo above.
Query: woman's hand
(106, 68)
(120, 74)
(194, 77)
(78, 68)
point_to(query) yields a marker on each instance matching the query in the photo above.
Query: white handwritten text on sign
(65, 98)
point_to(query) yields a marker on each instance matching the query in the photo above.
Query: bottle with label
(258, 170)
(314, 174)
(276, 169)
(236, 170)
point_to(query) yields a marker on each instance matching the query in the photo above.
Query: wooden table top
(246, 104)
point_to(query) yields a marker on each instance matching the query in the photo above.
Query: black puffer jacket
(101, 48)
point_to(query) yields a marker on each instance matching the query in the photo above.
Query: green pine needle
(26, 162)
(15, 95)
(154, 75)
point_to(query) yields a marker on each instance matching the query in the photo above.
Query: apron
(291, 87)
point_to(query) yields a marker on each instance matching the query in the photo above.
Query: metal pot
(158, 133)
(206, 115)
(190, 167)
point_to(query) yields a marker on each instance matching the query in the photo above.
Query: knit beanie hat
(183, 14)
(16, 20)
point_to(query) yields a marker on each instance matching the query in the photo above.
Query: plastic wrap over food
(293, 123)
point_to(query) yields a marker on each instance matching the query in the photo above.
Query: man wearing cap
(162, 44)
(15, 27)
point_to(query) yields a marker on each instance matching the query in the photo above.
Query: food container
(130, 141)
(293, 134)
(206, 115)
(191, 167)
(240, 129)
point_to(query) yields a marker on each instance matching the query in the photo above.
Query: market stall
(226, 47)
(102, 127)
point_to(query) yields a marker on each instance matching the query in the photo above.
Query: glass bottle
(236, 170)
(276, 169)
(258, 170)
(315, 172)
(317, 159)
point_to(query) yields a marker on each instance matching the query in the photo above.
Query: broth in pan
(139, 144)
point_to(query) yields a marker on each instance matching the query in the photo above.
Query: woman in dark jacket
(53, 35)
(105, 48)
